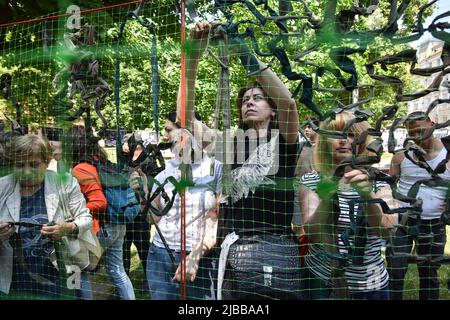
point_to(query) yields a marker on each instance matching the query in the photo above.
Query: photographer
(146, 159)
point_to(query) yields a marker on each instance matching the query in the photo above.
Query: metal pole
(183, 293)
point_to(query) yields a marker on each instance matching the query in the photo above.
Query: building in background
(429, 55)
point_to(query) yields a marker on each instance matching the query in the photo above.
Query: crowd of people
(269, 222)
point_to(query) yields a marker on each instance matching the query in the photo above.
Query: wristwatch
(75, 231)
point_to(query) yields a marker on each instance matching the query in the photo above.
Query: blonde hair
(323, 155)
(29, 145)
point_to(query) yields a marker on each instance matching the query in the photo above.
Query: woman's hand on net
(201, 30)
(359, 179)
(199, 40)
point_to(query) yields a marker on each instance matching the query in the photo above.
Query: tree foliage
(33, 68)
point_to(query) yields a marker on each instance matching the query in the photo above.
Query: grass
(137, 277)
(411, 289)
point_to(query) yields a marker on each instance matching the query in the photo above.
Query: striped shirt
(372, 274)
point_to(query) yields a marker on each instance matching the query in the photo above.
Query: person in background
(83, 152)
(125, 147)
(321, 197)
(201, 226)
(145, 159)
(431, 236)
(305, 164)
(305, 161)
(5, 138)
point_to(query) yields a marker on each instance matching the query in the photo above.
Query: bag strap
(63, 198)
(149, 207)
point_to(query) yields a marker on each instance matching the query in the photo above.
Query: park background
(33, 70)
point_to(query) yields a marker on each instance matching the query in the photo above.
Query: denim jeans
(160, 271)
(430, 238)
(85, 291)
(111, 238)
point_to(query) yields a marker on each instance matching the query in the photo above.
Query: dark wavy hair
(314, 120)
(172, 117)
(80, 146)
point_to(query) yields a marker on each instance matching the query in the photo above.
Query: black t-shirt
(270, 207)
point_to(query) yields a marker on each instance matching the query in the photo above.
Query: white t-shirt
(433, 198)
(199, 200)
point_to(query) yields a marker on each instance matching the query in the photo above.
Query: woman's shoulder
(6, 183)
(61, 180)
(85, 166)
(85, 170)
(7, 179)
(309, 179)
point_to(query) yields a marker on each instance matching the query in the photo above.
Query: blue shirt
(36, 249)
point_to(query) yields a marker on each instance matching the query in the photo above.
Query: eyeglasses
(256, 97)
